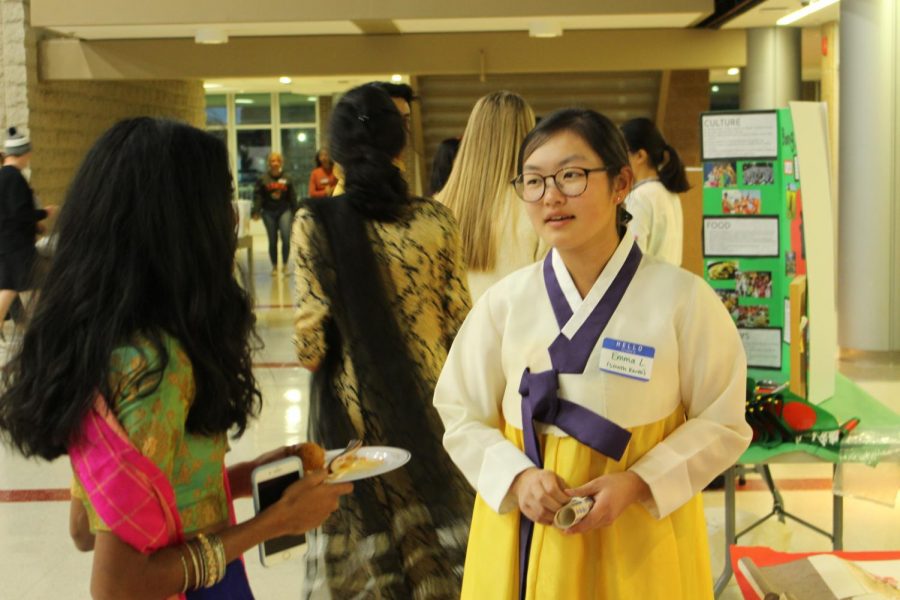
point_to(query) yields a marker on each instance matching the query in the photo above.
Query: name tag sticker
(627, 359)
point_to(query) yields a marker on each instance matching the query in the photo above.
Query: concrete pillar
(869, 228)
(324, 104)
(14, 63)
(830, 48)
(771, 78)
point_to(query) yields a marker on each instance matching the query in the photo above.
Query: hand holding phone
(269, 482)
(296, 505)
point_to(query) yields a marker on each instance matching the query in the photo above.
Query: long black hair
(597, 131)
(642, 134)
(442, 164)
(366, 135)
(146, 243)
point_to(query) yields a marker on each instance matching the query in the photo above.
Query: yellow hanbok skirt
(637, 557)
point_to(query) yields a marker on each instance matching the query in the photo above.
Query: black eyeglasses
(570, 181)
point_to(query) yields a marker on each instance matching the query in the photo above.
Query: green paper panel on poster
(752, 234)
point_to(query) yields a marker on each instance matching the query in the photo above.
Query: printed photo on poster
(730, 300)
(740, 236)
(763, 347)
(791, 198)
(758, 173)
(751, 316)
(721, 270)
(739, 135)
(790, 263)
(719, 174)
(741, 202)
(754, 284)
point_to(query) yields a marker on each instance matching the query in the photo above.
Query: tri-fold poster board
(755, 240)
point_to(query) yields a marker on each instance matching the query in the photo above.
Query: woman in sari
(137, 364)
(380, 295)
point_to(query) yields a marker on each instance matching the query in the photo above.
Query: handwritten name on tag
(627, 359)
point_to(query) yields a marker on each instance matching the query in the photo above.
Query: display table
(246, 242)
(849, 401)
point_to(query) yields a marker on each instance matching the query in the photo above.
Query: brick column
(13, 64)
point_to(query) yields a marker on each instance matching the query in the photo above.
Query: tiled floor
(39, 562)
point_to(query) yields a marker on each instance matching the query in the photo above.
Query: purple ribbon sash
(540, 401)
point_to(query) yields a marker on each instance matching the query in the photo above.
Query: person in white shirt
(496, 236)
(653, 203)
(599, 372)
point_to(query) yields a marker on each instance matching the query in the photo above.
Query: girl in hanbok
(600, 373)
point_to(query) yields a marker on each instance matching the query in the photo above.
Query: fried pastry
(312, 455)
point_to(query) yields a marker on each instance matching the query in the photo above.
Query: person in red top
(322, 179)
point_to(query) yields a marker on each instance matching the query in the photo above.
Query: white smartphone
(269, 482)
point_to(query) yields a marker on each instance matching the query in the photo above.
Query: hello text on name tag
(627, 359)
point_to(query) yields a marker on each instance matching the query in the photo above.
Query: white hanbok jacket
(699, 367)
(656, 220)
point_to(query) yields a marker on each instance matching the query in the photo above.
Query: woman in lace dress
(380, 295)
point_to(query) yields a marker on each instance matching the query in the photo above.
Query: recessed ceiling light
(715, 89)
(396, 78)
(211, 86)
(284, 80)
(301, 137)
(733, 71)
(544, 29)
(210, 35)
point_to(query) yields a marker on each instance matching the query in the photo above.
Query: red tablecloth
(764, 557)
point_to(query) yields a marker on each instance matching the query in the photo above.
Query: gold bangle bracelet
(185, 569)
(201, 574)
(209, 559)
(196, 563)
(219, 547)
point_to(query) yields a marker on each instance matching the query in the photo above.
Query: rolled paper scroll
(573, 512)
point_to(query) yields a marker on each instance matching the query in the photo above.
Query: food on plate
(312, 455)
(722, 270)
(353, 463)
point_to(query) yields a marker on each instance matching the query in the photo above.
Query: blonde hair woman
(497, 237)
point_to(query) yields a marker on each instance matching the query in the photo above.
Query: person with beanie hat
(19, 220)
(16, 144)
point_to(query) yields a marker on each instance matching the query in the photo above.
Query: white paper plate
(389, 458)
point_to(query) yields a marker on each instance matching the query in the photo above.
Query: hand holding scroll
(540, 494)
(612, 494)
